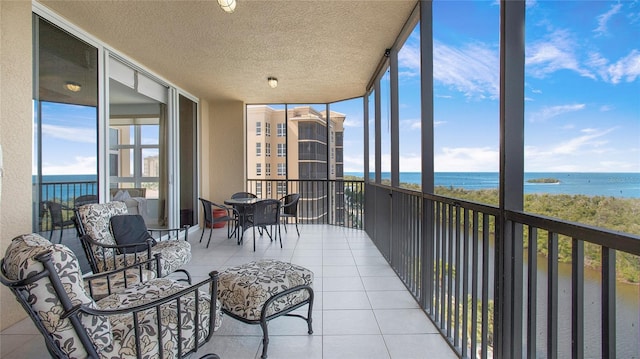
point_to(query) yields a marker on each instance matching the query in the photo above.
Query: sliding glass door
(138, 142)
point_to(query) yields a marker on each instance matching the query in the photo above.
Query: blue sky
(582, 94)
(582, 89)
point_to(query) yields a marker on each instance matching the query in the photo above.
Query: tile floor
(361, 309)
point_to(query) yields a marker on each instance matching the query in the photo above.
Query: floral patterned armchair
(158, 318)
(104, 254)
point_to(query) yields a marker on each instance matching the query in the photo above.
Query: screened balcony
(468, 274)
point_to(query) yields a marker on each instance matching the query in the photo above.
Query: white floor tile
(361, 308)
(354, 347)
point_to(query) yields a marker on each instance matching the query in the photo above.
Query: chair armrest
(169, 233)
(119, 278)
(212, 281)
(90, 240)
(109, 252)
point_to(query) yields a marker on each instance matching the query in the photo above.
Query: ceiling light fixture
(73, 86)
(227, 5)
(273, 82)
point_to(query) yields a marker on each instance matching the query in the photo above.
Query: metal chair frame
(231, 216)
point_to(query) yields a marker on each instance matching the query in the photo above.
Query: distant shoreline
(609, 184)
(544, 180)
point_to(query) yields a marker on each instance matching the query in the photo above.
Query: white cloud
(76, 166)
(603, 19)
(587, 139)
(471, 69)
(555, 52)
(585, 152)
(409, 60)
(410, 163)
(627, 68)
(413, 123)
(72, 134)
(352, 123)
(353, 164)
(467, 159)
(550, 112)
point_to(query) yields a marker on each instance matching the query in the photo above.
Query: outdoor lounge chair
(158, 318)
(104, 253)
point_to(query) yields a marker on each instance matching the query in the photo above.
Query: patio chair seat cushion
(244, 290)
(123, 325)
(20, 263)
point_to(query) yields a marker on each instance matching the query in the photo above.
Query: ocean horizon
(613, 184)
(610, 184)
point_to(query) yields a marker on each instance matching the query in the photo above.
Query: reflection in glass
(65, 120)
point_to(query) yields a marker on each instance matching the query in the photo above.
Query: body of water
(67, 187)
(590, 184)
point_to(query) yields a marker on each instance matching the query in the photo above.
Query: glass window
(134, 148)
(282, 129)
(188, 122)
(282, 169)
(258, 169)
(282, 150)
(267, 150)
(282, 188)
(258, 128)
(258, 149)
(267, 129)
(267, 169)
(259, 189)
(65, 153)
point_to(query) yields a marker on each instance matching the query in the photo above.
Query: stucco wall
(221, 140)
(225, 148)
(15, 136)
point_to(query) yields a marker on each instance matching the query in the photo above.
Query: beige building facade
(296, 143)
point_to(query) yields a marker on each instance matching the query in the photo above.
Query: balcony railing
(491, 280)
(335, 202)
(65, 193)
(493, 283)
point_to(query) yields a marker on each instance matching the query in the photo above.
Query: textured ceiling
(320, 51)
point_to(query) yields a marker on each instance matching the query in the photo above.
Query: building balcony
(413, 281)
(361, 309)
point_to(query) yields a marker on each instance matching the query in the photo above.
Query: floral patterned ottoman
(257, 292)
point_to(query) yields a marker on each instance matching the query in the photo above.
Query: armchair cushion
(21, 263)
(245, 289)
(130, 229)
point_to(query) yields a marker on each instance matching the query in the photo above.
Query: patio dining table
(243, 206)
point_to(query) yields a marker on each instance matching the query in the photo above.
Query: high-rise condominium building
(299, 144)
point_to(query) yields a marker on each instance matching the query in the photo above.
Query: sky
(582, 95)
(582, 90)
